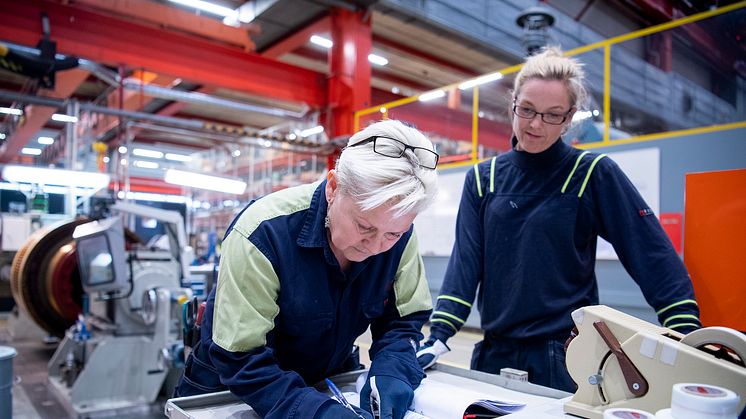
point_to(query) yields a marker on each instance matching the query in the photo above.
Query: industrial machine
(620, 361)
(115, 302)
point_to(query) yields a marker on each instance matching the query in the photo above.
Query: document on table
(442, 396)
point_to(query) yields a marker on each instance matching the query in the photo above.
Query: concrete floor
(34, 398)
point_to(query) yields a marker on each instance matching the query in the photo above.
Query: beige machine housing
(656, 359)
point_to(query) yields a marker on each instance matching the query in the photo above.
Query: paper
(442, 396)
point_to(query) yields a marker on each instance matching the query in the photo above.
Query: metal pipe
(207, 100)
(114, 80)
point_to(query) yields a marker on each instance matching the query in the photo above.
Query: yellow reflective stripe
(456, 299)
(492, 174)
(453, 326)
(577, 162)
(688, 301)
(680, 316)
(673, 326)
(588, 175)
(449, 315)
(479, 182)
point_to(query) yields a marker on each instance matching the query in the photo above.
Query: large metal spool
(44, 277)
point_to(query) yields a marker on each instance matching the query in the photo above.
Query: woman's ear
(331, 185)
(568, 121)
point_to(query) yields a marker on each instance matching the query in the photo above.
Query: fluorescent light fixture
(198, 180)
(487, 78)
(45, 140)
(236, 153)
(41, 175)
(321, 41)
(10, 111)
(178, 157)
(2, 136)
(122, 149)
(64, 118)
(292, 136)
(383, 109)
(207, 7)
(106, 159)
(311, 131)
(31, 151)
(142, 152)
(596, 112)
(434, 94)
(395, 90)
(145, 164)
(155, 197)
(377, 59)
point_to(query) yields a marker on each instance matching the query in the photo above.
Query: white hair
(372, 180)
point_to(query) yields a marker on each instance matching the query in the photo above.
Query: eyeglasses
(549, 118)
(393, 148)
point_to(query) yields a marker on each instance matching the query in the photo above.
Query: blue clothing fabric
(317, 314)
(526, 236)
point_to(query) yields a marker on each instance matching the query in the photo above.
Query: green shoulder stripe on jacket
(284, 202)
(410, 286)
(478, 180)
(588, 174)
(572, 172)
(245, 308)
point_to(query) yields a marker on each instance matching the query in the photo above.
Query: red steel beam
(113, 41)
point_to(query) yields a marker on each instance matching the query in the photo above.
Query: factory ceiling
(168, 60)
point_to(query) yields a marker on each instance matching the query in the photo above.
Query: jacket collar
(555, 153)
(313, 232)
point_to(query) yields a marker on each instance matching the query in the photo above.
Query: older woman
(526, 235)
(306, 270)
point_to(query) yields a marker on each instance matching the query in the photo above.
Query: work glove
(428, 353)
(334, 410)
(386, 397)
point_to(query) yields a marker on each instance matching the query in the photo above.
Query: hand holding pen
(341, 398)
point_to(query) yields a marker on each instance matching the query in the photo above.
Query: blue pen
(340, 397)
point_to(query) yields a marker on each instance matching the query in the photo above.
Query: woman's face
(357, 234)
(544, 96)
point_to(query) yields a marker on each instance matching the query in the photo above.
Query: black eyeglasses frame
(406, 147)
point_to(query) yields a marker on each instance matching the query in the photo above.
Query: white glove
(430, 352)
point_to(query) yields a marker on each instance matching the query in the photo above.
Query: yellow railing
(606, 45)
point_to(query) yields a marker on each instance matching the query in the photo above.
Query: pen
(340, 397)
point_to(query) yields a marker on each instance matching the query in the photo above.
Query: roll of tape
(703, 401)
(622, 413)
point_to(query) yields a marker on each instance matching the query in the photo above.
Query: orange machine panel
(715, 245)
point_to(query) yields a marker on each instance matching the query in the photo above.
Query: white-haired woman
(526, 234)
(306, 270)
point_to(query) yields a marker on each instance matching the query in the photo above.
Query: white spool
(701, 401)
(623, 413)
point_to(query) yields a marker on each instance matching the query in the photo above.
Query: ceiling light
(2, 136)
(292, 136)
(383, 109)
(207, 7)
(45, 140)
(395, 90)
(434, 94)
(198, 180)
(106, 159)
(311, 131)
(64, 118)
(581, 115)
(236, 153)
(321, 41)
(31, 151)
(178, 157)
(142, 152)
(10, 111)
(28, 174)
(487, 78)
(145, 164)
(122, 149)
(377, 59)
